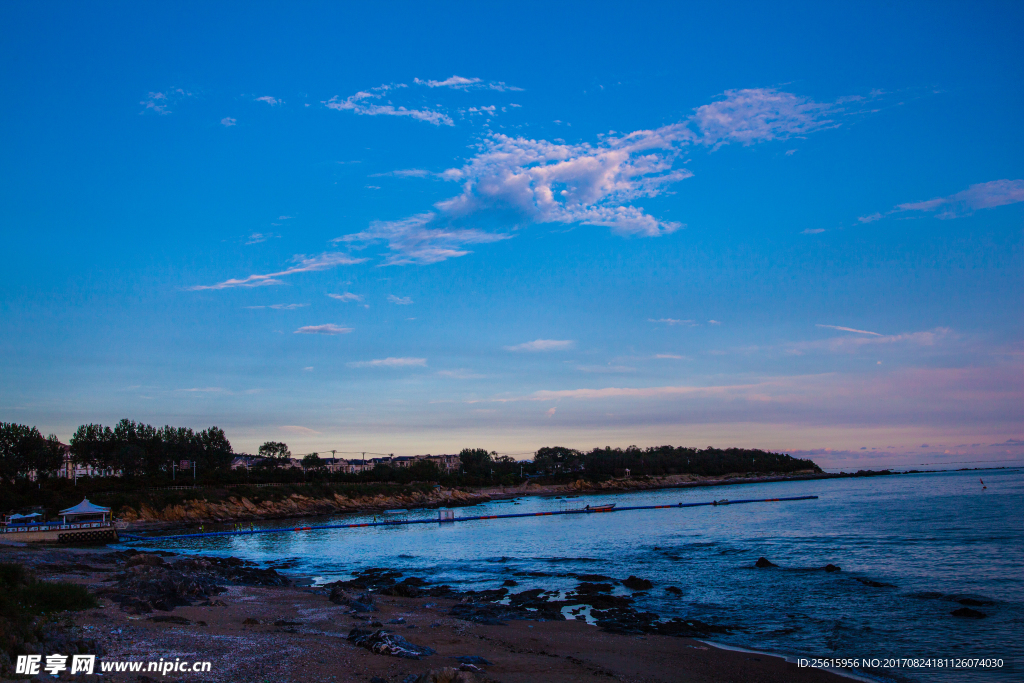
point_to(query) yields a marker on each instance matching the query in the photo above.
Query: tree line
(134, 449)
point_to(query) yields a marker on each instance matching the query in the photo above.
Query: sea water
(936, 538)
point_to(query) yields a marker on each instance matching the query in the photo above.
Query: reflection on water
(935, 537)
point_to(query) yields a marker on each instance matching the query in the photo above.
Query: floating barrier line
(403, 522)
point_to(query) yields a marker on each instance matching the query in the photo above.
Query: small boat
(600, 508)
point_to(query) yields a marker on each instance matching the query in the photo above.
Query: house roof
(85, 508)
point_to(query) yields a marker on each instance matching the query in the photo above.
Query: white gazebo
(84, 512)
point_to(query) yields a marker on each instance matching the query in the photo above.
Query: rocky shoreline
(381, 626)
(242, 509)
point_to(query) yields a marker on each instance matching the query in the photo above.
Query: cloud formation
(227, 122)
(272, 101)
(981, 196)
(848, 329)
(413, 240)
(281, 307)
(525, 180)
(161, 102)
(672, 321)
(365, 103)
(462, 83)
(400, 300)
(543, 345)
(346, 297)
(390, 362)
(328, 328)
(870, 339)
(305, 265)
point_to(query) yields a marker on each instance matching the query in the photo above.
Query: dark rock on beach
(876, 584)
(383, 642)
(831, 568)
(968, 613)
(764, 563)
(674, 590)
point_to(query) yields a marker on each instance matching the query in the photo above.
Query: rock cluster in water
(613, 613)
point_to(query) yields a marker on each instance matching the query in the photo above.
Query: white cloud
(714, 322)
(257, 237)
(305, 265)
(390, 362)
(812, 231)
(460, 374)
(412, 240)
(227, 122)
(543, 345)
(518, 179)
(672, 321)
(400, 300)
(848, 329)
(870, 219)
(851, 344)
(160, 102)
(550, 412)
(463, 83)
(297, 429)
(981, 196)
(404, 173)
(281, 307)
(669, 356)
(272, 101)
(346, 297)
(323, 329)
(760, 114)
(363, 103)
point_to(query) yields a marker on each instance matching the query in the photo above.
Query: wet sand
(296, 634)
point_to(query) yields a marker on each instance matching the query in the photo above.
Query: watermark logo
(31, 665)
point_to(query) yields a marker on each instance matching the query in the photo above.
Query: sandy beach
(296, 633)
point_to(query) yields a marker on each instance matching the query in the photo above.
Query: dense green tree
(476, 462)
(312, 462)
(23, 450)
(274, 449)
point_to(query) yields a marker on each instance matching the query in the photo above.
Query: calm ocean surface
(927, 534)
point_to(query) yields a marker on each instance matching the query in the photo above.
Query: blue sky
(408, 228)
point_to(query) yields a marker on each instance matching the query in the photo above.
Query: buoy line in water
(440, 520)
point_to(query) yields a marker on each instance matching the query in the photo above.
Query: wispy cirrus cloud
(281, 307)
(867, 339)
(414, 241)
(346, 297)
(268, 99)
(304, 265)
(366, 103)
(463, 83)
(981, 196)
(400, 300)
(526, 180)
(543, 345)
(848, 329)
(390, 362)
(404, 173)
(161, 102)
(976, 197)
(258, 237)
(673, 321)
(328, 328)
(298, 429)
